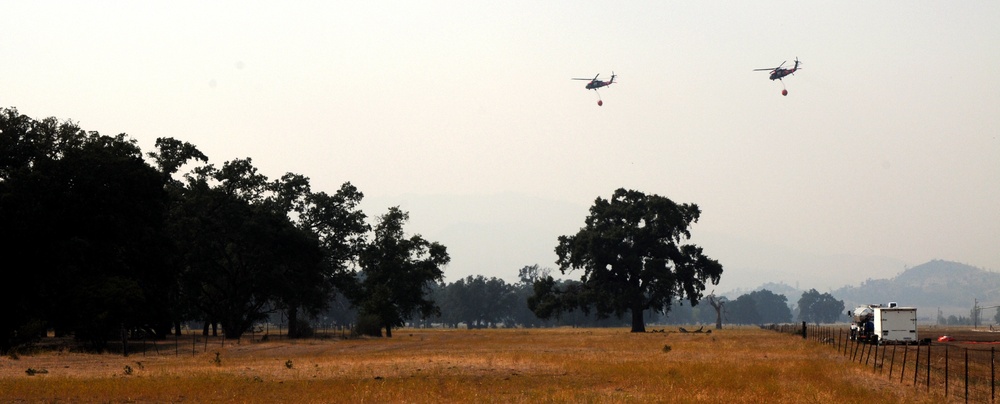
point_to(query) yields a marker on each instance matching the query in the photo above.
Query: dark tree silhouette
(773, 308)
(819, 308)
(397, 274)
(242, 253)
(83, 219)
(633, 258)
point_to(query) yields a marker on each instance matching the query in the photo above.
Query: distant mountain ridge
(948, 286)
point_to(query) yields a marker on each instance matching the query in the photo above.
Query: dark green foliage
(397, 273)
(242, 253)
(521, 312)
(759, 307)
(109, 246)
(633, 257)
(478, 302)
(743, 310)
(819, 308)
(773, 308)
(84, 218)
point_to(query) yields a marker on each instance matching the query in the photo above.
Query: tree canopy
(108, 244)
(633, 257)
(819, 308)
(397, 274)
(759, 307)
(83, 219)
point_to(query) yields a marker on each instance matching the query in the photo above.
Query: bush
(368, 324)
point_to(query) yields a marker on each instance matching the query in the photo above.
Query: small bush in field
(33, 371)
(666, 348)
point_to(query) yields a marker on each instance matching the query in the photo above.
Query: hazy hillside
(949, 286)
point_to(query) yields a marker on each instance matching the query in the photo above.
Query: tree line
(480, 302)
(108, 242)
(507, 306)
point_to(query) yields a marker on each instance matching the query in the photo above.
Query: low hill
(951, 287)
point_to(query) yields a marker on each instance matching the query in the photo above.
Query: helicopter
(779, 72)
(594, 84)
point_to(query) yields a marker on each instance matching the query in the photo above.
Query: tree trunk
(293, 323)
(388, 331)
(717, 305)
(638, 323)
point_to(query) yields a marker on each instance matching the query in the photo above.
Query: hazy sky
(463, 113)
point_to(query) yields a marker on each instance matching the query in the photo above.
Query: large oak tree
(633, 255)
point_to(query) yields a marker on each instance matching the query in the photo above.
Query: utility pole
(975, 313)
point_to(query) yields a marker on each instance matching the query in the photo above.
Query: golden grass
(740, 365)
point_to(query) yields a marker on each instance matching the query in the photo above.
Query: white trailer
(877, 324)
(895, 325)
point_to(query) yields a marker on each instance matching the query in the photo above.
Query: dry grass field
(736, 365)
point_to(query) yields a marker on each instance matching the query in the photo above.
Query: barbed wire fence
(959, 372)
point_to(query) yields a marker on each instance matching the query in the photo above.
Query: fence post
(928, 366)
(966, 374)
(803, 330)
(946, 370)
(902, 369)
(875, 362)
(993, 377)
(892, 360)
(883, 361)
(916, 366)
(868, 352)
